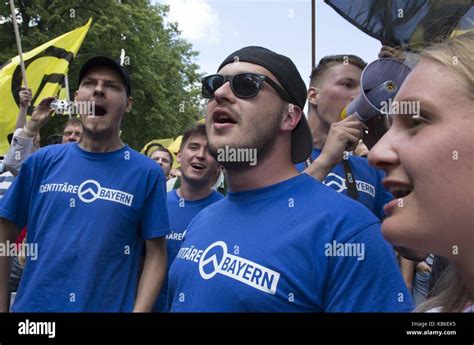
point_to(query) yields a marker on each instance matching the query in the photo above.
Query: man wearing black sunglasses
(281, 240)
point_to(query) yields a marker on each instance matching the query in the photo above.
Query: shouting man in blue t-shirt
(193, 195)
(280, 241)
(89, 206)
(334, 83)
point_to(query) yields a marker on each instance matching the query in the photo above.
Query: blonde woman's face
(428, 161)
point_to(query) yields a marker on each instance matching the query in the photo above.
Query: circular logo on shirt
(333, 179)
(211, 260)
(88, 191)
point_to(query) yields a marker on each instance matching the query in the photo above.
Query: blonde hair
(451, 293)
(456, 53)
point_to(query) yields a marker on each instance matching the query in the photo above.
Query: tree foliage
(161, 64)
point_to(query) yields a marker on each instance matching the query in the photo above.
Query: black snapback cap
(106, 61)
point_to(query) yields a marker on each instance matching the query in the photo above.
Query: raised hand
(40, 116)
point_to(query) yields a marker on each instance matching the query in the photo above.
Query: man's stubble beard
(262, 141)
(101, 134)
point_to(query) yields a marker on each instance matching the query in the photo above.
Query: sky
(217, 28)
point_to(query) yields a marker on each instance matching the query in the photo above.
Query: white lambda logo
(334, 179)
(88, 191)
(215, 259)
(91, 190)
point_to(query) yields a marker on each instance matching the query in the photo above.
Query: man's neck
(92, 144)
(319, 130)
(268, 172)
(191, 192)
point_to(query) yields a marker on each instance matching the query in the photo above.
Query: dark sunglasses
(243, 85)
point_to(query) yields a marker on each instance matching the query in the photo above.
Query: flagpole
(18, 43)
(66, 85)
(313, 34)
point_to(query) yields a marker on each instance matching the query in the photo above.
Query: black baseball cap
(287, 74)
(106, 61)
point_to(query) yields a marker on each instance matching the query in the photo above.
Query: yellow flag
(168, 143)
(174, 146)
(151, 146)
(45, 67)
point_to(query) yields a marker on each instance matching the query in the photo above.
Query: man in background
(193, 195)
(335, 82)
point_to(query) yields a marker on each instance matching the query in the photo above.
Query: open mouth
(198, 166)
(99, 110)
(222, 118)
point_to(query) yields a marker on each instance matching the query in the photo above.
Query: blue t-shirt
(180, 212)
(368, 182)
(89, 214)
(295, 246)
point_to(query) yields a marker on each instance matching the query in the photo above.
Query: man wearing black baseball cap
(280, 241)
(108, 62)
(107, 84)
(90, 206)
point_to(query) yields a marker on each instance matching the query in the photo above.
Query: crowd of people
(311, 225)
